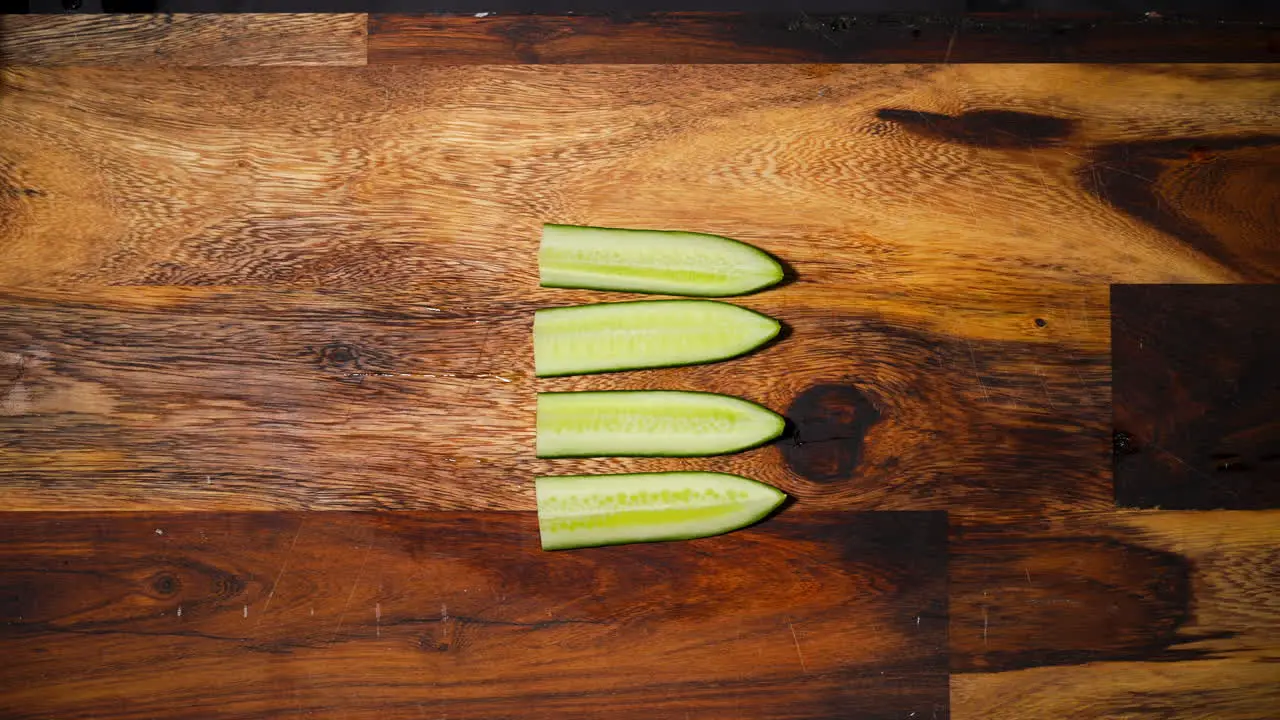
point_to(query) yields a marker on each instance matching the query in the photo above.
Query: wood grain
(210, 397)
(1195, 395)
(744, 37)
(950, 245)
(1124, 614)
(461, 615)
(207, 398)
(184, 39)
(421, 170)
(309, 288)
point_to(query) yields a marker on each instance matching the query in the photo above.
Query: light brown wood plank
(1137, 614)
(965, 188)
(184, 39)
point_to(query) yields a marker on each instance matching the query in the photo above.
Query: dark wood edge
(734, 37)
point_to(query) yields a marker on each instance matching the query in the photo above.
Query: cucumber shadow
(789, 436)
(784, 332)
(783, 507)
(790, 433)
(789, 276)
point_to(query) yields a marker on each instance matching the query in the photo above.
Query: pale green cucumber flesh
(650, 423)
(652, 261)
(591, 510)
(644, 334)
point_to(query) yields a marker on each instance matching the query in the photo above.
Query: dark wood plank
(836, 615)
(1196, 391)
(184, 39)
(1136, 614)
(726, 37)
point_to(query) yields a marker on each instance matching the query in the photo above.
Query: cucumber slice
(589, 510)
(650, 423)
(652, 261)
(644, 334)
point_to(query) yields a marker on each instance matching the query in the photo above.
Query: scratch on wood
(1083, 384)
(1180, 461)
(1043, 384)
(984, 626)
(1044, 179)
(796, 640)
(283, 567)
(355, 584)
(955, 33)
(976, 376)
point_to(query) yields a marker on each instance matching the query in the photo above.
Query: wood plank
(233, 398)
(764, 37)
(181, 39)
(412, 615)
(1195, 395)
(873, 174)
(1124, 614)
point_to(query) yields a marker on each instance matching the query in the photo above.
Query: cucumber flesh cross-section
(589, 510)
(644, 334)
(650, 423)
(652, 261)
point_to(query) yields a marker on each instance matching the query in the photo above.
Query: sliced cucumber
(652, 261)
(650, 423)
(589, 510)
(644, 334)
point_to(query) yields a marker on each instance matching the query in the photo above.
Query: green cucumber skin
(777, 432)
(551, 544)
(778, 275)
(763, 342)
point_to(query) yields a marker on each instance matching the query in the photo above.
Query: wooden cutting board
(303, 289)
(952, 233)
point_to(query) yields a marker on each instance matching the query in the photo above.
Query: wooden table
(266, 386)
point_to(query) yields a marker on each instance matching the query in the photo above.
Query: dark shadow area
(783, 507)
(1214, 194)
(784, 332)
(789, 276)
(1195, 392)
(984, 128)
(1007, 617)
